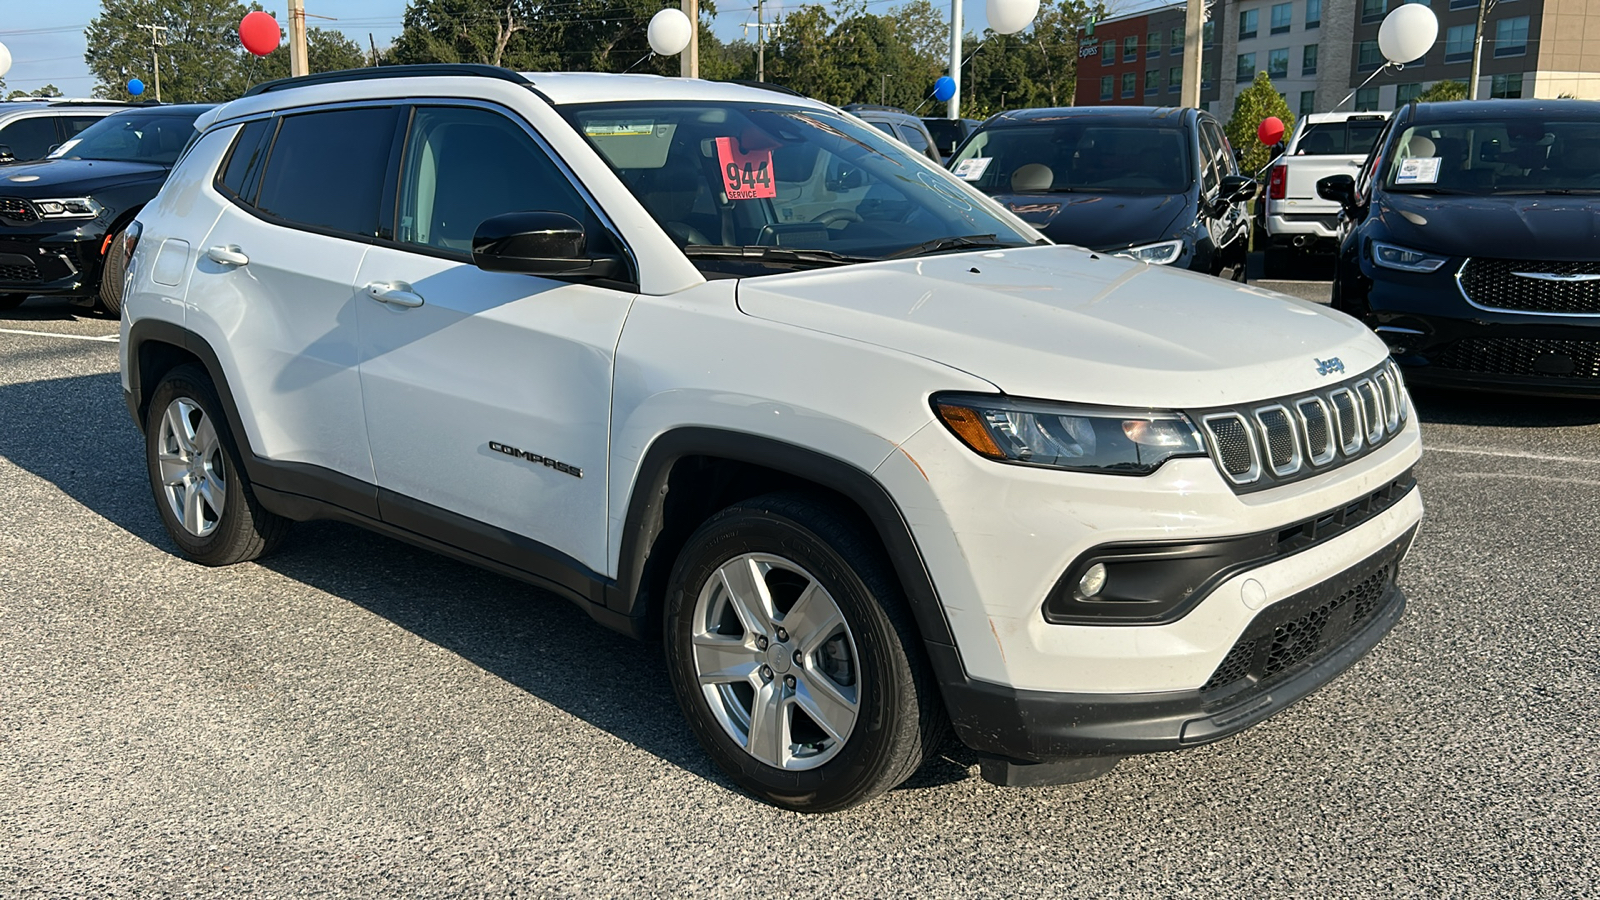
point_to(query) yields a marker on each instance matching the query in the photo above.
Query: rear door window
(30, 138)
(1349, 138)
(326, 170)
(913, 139)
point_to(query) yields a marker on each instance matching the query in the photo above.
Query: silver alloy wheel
(193, 478)
(776, 661)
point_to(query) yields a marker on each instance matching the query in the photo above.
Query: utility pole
(762, 27)
(298, 64)
(374, 45)
(1477, 45)
(1194, 24)
(953, 108)
(155, 54)
(689, 59)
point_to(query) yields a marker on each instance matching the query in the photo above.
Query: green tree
(1255, 103)
(1440, 91)
(48, 90)
(201, 58)
(327, 50)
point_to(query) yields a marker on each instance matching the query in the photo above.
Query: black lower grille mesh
(1523, 356)
(1299, 629)
(1495, 283)
(19, 273)
(17, 210)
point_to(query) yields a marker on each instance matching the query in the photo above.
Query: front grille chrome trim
(1371, 409)
(1391, 400)
(1462, 289)
(1250, 474)
(1325, 453)
(1352, 445)
(1276, 422)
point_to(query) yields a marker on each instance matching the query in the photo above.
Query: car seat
(670, 192)
(1032, 177)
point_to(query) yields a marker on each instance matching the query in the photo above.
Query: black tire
(899, 716)
(241, 529)
(11, 301)
(111, 273)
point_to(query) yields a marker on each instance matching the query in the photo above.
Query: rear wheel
(111, 272)
(11, 301)
(794, 658)
(200, 488)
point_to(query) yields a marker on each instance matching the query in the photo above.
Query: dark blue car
(1471, 244)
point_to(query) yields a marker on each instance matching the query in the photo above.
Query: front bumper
(1442, 340)
(1292, 648)
(58, 264)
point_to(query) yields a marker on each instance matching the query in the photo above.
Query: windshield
(947, 133)
(1087, 154)
(1350, 138)
(132, 137)
(807, 184)
(1504, 156)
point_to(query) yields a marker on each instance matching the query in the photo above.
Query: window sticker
(746, 176)
(1418, 170)
(619, 129)
(973, 169)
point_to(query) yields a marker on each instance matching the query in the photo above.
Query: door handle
(396, 293)
(230, 255)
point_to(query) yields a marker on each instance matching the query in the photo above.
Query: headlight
(69, 208)
(1160, 254)
(1062, 436)
(1391, 256)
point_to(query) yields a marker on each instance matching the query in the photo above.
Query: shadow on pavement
(1446, 407)
(87, 446)
(50, 309)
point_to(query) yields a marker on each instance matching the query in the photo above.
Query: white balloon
(5, 60)
(1407, 33)
(669, 32)
(1011, 16)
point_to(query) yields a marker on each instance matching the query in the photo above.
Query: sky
(46, 40)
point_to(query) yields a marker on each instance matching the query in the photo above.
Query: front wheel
(111, 273)
(794, 657)
(200, 488)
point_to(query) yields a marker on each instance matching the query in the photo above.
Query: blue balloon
(944, 88)
(135, 87)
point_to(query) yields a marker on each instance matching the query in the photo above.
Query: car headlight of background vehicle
(1164, 253)
(67, 208)
(1064, 436)
(1393, 256)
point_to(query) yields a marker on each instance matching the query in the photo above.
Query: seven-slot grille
(1261, 445)
(16, 209)
(1569, 288)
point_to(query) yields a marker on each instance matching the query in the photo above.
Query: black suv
(1469, 244)
(60, 216)
(1159, 185)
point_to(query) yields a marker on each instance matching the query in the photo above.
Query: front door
(487, 395)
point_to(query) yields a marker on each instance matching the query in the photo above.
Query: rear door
(278, 266)
(487, 394)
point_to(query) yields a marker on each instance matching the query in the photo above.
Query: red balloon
(259, 33)
(1271, 130)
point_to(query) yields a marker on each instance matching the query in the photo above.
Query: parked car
(31, 127)
(1156, 184)
(1470, 245)
(1295, 220)
(61, 217)
(731, 370)
(948, 134)
(898, 124)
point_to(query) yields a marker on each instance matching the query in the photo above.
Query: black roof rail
(766, 86)
(418, 70)
(875, 107)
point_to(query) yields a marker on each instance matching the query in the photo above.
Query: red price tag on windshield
(745, 176)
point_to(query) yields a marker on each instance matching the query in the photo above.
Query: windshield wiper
(780, 256)
(953, 242)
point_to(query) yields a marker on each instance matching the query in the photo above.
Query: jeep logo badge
(1328, 366)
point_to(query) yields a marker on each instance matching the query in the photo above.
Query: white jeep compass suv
(729, 368)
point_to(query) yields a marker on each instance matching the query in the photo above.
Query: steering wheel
(834, 216)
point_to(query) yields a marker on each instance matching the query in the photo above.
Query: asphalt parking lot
(355, 717)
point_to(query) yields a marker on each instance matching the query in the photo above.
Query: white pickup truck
(1296, 219)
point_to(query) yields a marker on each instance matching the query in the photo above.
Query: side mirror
(1340, 189)
(1237, 188)
(539, 243)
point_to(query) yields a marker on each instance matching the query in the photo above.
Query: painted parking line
(1510, 454)
(103, 339)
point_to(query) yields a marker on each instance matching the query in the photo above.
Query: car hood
(50, 177)
(1059, 323)
(1099, 221)
(1542, 226)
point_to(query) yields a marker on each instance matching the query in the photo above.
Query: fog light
(1092, 581)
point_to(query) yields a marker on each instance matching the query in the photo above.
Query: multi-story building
(1137, 60)
(1319, 52)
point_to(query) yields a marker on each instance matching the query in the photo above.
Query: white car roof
(600, 87)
